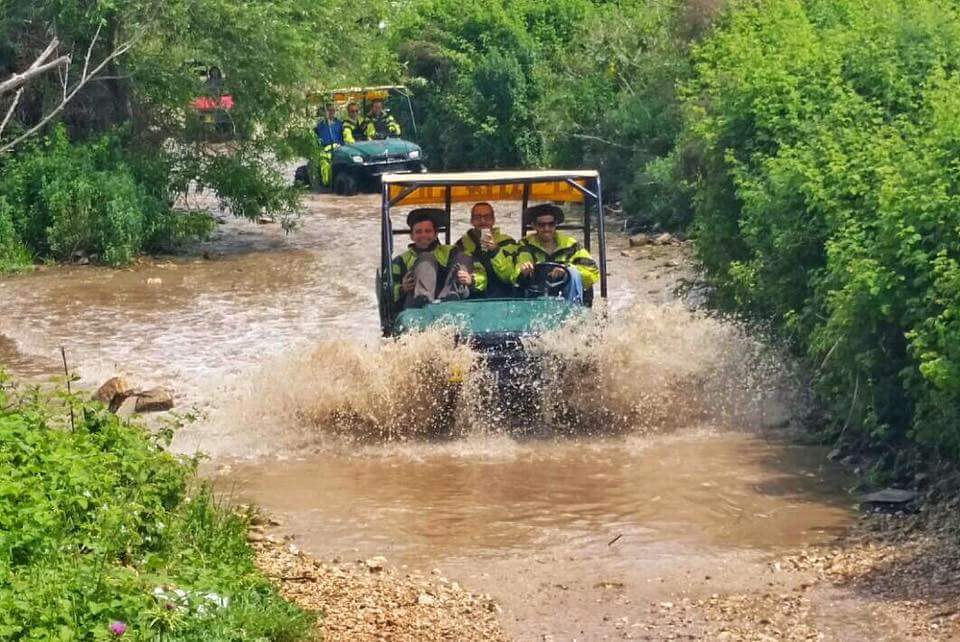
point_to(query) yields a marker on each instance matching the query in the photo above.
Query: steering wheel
(541, 283)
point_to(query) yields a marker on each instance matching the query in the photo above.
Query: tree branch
(598, 140)
(13, 106)
(17, 80)
(84, 79)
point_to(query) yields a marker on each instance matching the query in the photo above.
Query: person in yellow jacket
(354, 127)
(379, 123)
(548, 245)
(491, 251)
(428, 270)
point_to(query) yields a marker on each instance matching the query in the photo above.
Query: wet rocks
(113, 393)
(154, 400)
(891, 496)
(639, 240)
(124, 400)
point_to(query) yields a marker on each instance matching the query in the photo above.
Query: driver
(379, 123)
(428, 271)
(548, 245)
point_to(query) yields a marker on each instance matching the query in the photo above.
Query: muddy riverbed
(678, 484)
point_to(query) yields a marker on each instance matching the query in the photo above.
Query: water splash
(654, 368)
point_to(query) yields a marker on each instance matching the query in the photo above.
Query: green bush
(61, 198)
(98, 523)
(827, 198)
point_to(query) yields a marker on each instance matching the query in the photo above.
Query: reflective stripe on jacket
(499, 262)
(568, 252)
(404, 263)
(383, 125)
(353, 131)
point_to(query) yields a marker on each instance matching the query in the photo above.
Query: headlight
(414, 154)
(357, 159)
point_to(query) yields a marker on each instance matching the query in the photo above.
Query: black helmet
(531, 213)
(422, 214)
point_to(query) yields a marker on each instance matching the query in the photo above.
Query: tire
(345, 184)
(302, 176)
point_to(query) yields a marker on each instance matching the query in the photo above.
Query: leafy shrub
(98, 523)
(61, 198)
(826, 197)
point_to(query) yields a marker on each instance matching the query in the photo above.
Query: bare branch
(85, 78)
(598, 140)
(13, 106)
(17, 80)
(86, 60)
(46, 54)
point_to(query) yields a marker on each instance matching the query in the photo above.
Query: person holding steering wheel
(549, 261)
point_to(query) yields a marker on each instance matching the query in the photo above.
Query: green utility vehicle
(495, 327)
(358, 167)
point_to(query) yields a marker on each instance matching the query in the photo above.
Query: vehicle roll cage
(523, 186)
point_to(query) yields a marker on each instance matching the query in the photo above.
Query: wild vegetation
(103, 533)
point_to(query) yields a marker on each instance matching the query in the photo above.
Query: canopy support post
(602, 241)
(446, 206)
(523, 209)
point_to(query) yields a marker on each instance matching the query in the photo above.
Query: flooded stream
(677, 480)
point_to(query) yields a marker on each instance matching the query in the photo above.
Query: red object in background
(207, 103)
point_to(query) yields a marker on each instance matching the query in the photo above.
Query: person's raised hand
(488, 243)
(526, 268)
(464, 277)
(407, 284)
(557, 273)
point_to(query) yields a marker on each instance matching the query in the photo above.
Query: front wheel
(345, 184)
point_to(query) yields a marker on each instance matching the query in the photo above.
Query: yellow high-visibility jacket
(385, 124)
(404, 263)
(353, 130)
(499, 261)
(568, 253)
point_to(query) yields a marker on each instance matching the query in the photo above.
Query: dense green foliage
(98, 523)
(60, 199)
(826, 197)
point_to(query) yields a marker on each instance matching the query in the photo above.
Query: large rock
(113, 393)
(664, 239)
(154, 400)
(891, 496)
(639, 240)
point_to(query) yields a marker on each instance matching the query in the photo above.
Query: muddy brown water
(272, 335)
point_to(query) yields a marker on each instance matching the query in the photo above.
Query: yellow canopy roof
(544, 185)
(346, 94)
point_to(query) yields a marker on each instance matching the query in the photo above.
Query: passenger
(427, 270)
(547, 244)
(329, 129)
(379, 123)
(330, 134)
(353, 126)
(492, 253)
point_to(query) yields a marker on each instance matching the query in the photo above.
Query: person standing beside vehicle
(353, 125)
(380, 123)
(548, 245)
(491, 252)
(330, 134)
(427, 271)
